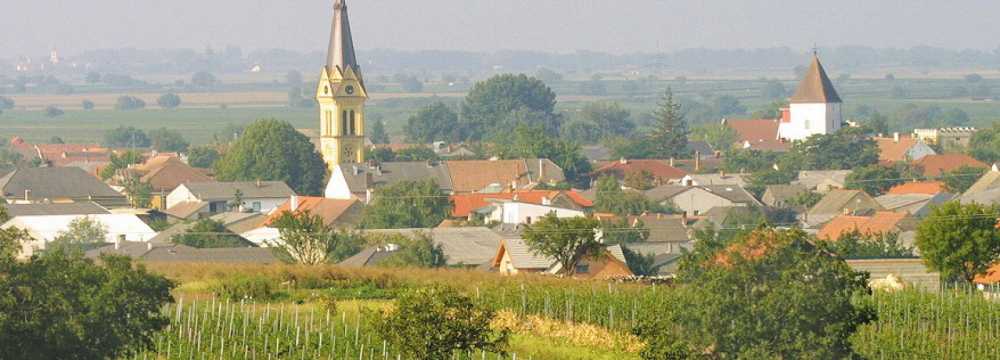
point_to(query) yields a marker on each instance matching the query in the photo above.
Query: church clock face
(349, 89)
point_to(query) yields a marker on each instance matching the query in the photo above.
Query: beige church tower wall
(341, 95)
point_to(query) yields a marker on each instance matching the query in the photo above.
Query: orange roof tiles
(658, 168)
(330, 210)
(919, 187)
(881, 222)
(891, 150)
(991, 276)
(761, 134)
(465, 204)
(935, 165)
(475, 175)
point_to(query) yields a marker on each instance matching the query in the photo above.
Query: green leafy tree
(53, 111)
(121, 161)
(749, 160)
(293, 77)
(622, 231)
(6, 103)
(960, 241)
(774, 90)
(875, 179)
(725, 292)
(612, 199)
(169, 101)
(960, 179)
(82, 233)
(847, 149)
(855, 245)
(878, 123)
(434, 122)
(382, 154)
(419, 251)
(670, 132)
(407, 204)
(609, 118)
(720, 137)
(457, 324)
(202, 157)
(64, 306)
(528, 142)
(582, 131)
(126, 103)
(419, 153)
(377, 133)
(140, 194)
(168, 140)
(306, 238)
(566, 240)
(985, 144)
(87, 105)
(487, 109)
(639, 180)
(203, 79)
(56, 140)
(126, 137)
(273, 150)
(758, 181)
(411, 84)
(209, 234)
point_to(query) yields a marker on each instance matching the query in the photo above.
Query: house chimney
(293, 203)
(149, 245)
(357, 170)
(623, 161)
(258, 183)
(27, 195)
(847, 211)
(697, 161)
(541, 170)
(368, 196)
(671, 161)
(895, 137)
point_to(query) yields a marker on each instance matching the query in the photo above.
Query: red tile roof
(330, 210)
(881, 222)
(475, 175)
(891, 150)
(934, 165)
(920, 187)
(658, 168)
(990, 277)
(465, 204)
(761, 134)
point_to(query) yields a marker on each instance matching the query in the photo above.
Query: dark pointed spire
(816, 86)
(341, 51)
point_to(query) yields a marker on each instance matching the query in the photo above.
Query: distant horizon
(552, 26)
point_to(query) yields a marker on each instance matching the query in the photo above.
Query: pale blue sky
(617, 26)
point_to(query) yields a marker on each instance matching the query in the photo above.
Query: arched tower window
(353, 124)
(343, 123)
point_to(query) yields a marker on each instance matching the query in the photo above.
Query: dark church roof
(815, 87)
(341, 51)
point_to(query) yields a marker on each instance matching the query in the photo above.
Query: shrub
(247, 287)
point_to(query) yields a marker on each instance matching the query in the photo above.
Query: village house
(935, 165)
(902, 148)
(840, 202)
(950, 137)
(43, 229)
(881, 222)
(467, 206)
(164, 173)
(895, 274)
(984, 191)
(822, 181)
(780, 196)
(915, 198)
(58, 185)
(720, 178)
(514, 257)
(462, 246)
(191, 199)
(696, 200)
(514, 212)
(452, 177)
(758, 134)
(336, 213)
(160, 252)
(235, 222)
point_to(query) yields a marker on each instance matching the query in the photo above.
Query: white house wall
(811, 119)
(519, 213)
(697, 201)
(179, 195)
(337, 187)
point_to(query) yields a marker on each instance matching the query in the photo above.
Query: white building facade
(815, 109)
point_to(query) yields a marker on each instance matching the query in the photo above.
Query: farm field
(287, 311)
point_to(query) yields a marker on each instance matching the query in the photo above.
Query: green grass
(534, 347)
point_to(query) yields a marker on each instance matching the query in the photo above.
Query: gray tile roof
(813, 178)
(361, 177)
(79, 208)
(461, 245)
(522, 257)
(834, 203)
(186, 209)
(732, 193)
(216, 191)
(783, 193)
(912, 271)
(368, 257)
(664, 228)
(50, 183)
(167, 252)
(990, 180)
(665, 192)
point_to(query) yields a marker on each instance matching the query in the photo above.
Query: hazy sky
(35, 26)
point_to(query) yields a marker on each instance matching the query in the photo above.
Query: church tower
(341, 95)
(814, 108)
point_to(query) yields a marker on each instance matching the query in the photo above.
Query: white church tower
(815, 107)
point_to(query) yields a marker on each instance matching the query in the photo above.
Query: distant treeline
(233, 59)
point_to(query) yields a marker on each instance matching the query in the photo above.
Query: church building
(341, 95)
(815, 108)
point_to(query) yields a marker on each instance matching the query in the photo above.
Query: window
(256, 206)
(343, 123)
(352, 120)
(807, 124)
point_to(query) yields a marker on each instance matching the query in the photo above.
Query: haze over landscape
(551, 25)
